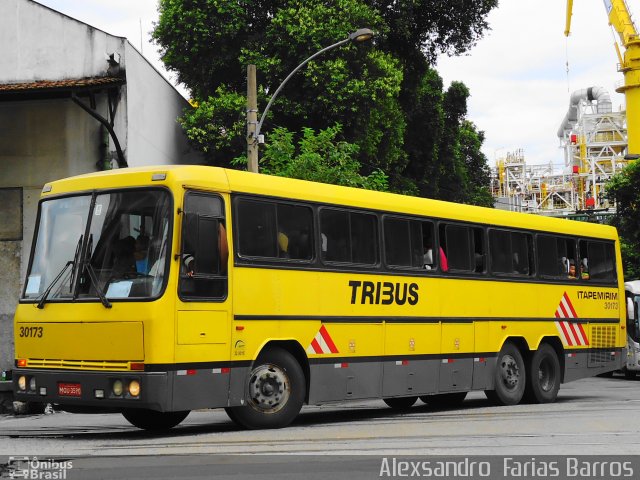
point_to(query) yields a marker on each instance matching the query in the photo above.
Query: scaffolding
(594, 147)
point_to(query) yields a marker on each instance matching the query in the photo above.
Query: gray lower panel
(483, 373)
(407, 378)
(344, 381)
(581, 364)
(456, 375)
(238, 386)
(204, 388)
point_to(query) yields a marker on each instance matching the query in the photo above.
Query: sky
(517, 73)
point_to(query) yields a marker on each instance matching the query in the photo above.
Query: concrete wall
(43, 140)
(37, 43)
(153, 107)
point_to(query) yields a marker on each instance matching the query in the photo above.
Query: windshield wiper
(46, 293)
(73, 263)
(94, 282)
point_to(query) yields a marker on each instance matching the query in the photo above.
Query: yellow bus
(155, 291)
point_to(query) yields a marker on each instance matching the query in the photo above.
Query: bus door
(203, 315)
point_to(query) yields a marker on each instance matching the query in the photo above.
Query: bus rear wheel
(509, 377)
(543, 379)
(275, 392)
(153, 420)
(400, 403)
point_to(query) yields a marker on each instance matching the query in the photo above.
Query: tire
(152, 420)
(275, 392)
(400, 403)
(445, 399)
(543, 375)
(629, 373)
(509, 377)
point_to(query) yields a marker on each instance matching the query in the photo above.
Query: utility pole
(252, 119)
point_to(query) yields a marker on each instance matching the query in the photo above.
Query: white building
(73, 99)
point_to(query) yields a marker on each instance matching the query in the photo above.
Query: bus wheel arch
(275, 389)
(297, 352)
(510, 373)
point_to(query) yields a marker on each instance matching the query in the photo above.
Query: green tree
(369, 89)
(624, 189)
(318, 157)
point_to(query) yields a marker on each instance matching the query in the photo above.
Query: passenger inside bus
(572, 270)
(584, 269)
(124, 260)
(141, 254)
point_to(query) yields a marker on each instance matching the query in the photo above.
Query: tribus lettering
(383, 293)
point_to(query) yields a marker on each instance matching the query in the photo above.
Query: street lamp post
(253, 130)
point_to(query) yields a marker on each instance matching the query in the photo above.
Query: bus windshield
(105, 245)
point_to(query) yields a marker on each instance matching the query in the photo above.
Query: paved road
(591, 416)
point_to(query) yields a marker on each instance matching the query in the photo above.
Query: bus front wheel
(543, 380)
(152, 420)
(509, 377)
(275, 392)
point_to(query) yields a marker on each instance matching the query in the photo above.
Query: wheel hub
(510, 371)
(269, 388)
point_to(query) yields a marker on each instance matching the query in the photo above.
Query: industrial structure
(597, 141)
(594, 140)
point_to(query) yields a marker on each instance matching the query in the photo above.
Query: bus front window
(61, 229)
(122, 253)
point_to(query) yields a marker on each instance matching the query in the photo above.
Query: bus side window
(350, 237)
(511, 252)
(549, 263)
(408, 243)
(457, 241)
(602, 264)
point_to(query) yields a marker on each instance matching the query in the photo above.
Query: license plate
(69, 390)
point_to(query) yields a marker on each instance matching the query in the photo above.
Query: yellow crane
(629, 65)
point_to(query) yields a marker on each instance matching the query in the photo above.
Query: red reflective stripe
(328, 340)
(573, 312)
(565, 314)
(584, 334)
(575, 334)
(225, 370)
(191, 372)
(316, 346)
(566, 334)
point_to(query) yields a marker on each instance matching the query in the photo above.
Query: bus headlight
(117, 388)
(32, 384)
(134, 388)
(22, 383)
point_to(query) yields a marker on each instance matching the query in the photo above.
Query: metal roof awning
(45, 89)
(74, 89)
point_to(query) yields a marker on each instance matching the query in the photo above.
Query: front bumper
(154, 388)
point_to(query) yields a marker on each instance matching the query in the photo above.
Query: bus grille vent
(77, 364)
(603, 340)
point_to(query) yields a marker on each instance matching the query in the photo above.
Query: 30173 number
(31, 332)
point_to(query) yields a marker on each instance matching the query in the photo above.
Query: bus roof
(226, 180)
